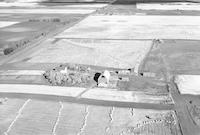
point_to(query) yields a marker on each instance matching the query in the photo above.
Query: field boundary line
(17, 117)
(58, 118)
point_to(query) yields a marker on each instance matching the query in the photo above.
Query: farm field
(51, 117)
(93, 52)
(22, 26)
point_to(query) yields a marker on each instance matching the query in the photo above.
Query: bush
(8, 51)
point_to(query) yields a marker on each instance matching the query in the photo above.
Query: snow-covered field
(46, 11)
(109, 53)
(6, 23)
(135, 27)
(169, 6)
(188, 84)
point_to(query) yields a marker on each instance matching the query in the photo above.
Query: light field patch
(46, 11)
(134, 27)
(18, 29)
(107, 53)
(30, 1)
(20, 72)
(9, 109)
(41, 90)
(14, 39)
(18, 4)
(188, 84)
(37, 117)
(86, 5)
(79, 93)
(126, 96)
(34, 4)
(6, 23)
(144, 122)
(71, 119)
(169, 6)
